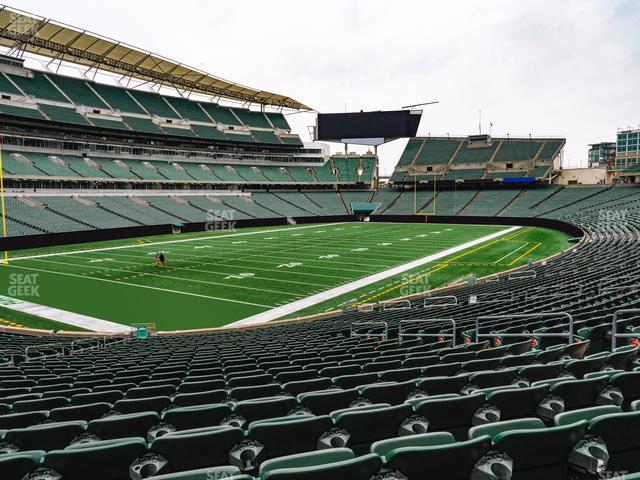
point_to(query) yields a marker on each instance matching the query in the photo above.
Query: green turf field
(216, 278)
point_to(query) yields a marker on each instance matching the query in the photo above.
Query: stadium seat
(278, 437)
(540, 452)
(190, 450)
(453, 461)
(360, 428)
(453, 415)
(617, 430)
(121, 426)
(109, 460)
(17, 466)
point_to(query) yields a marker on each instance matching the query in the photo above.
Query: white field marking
(311, 249)
(142, 286)
(348, 243)
(511, 253)
(165, 242)
(224, 265)
(239, 260)
(247, 258)
(292, 307)
(210, 272)
(192, 280)
(63, 316)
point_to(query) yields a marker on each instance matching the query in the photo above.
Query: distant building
(602, 155)
(628, 149)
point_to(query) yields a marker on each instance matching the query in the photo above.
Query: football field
(221, 277)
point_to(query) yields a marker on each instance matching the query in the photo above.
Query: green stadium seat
(39, 404)
(88, 412)
(493, 429)
(384, 447)
(18, 466)
(391, 393)
(453, 415)
(440, 385)
(453, 461)
(249, 411)
(619, 432)
(261, 391)
(517, 403)
(361, 468)
(587, 414)
(199, 398)
(279, 437)
(190, 450)
(108, 460)
(540, 453)
(120, 426)
(149, 404)
(365, 426)
(50, 436)
(325, 402)
(108, 396)
(22, 420)
(185, 418)
(226, 473)
(303, 386)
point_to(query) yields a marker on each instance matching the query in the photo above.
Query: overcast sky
(558, 67)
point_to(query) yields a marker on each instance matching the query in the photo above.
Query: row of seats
(593, 443)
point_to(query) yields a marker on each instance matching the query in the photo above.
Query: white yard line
(164, 275)
(166, 242)
(86, 277)
(292, 307)
(63, 316)
(511, 253)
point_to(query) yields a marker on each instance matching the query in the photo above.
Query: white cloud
(545, 67)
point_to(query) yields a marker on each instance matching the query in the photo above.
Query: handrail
(624, 279)
(568, 335)
(57, 345)
(552, 291)
(614, 327)
(453, 303)
(391, 305)
(493, 296)
(371, 324)
(402, 323)
(522, 274)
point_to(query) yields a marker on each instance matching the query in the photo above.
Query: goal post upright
(415, 197)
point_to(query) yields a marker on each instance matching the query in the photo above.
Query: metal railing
(390, 305)
(522, 274)
(623, 282)
(553, 291)
(492, 297)
(448, 301)
(452, 335)
(61, 346)
(566, 315)
(355, 325)
(614, 327)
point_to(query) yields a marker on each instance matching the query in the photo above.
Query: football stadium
(193, 287)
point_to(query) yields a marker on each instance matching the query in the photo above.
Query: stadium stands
(517, 379)
(455, 159)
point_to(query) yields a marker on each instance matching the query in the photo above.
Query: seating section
(504, 158)
(30, 214)
(310, 401)
(79, 101)
(517, 150)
